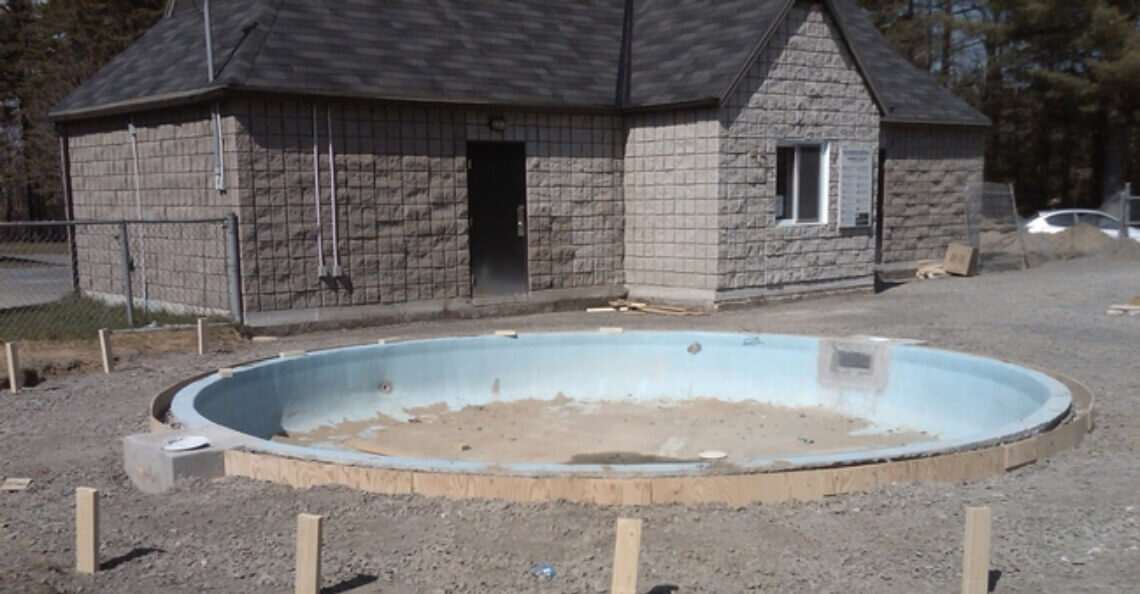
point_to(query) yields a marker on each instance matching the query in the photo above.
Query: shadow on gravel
(130, 555)
(993, 578)
(351, 583)
(664, 589)
(882, 285)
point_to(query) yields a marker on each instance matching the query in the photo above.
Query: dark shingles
(525, 52)
(686, 50)
(522, 51)
(907, 93)
(170, 57)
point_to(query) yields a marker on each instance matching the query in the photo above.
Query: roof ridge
(623, 93)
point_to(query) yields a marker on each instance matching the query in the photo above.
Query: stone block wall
(929, 173)
(804, 86)
(173, 264)
(671, 203)
(402, 215)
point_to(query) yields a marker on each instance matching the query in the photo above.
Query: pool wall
(984, 415)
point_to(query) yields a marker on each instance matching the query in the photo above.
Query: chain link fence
(67, 279)
(1003, 241)
(994, 228)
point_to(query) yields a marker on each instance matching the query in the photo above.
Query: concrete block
(154, 470)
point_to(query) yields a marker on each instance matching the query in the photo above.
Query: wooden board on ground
(105, 349)
(654, 308)
(627, 549)
(203, 336)
(308, 576)
(961, 260)
(15, 484)
(929, 269)
(15, 372)
(86, 530)
(1124, 309)
(976, 556)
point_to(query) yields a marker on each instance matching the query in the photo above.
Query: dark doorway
(496, 197)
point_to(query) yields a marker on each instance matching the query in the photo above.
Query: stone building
(424, 155)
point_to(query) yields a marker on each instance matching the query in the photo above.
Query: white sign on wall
(856, 172)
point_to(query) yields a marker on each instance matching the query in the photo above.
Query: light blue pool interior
(960, 400)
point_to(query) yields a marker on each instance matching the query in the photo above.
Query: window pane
(809, 184)
(1098, 220)
(1062, 220)
(785, 166)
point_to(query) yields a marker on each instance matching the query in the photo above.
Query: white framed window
(801, 182)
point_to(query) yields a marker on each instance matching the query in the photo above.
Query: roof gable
(607, 54)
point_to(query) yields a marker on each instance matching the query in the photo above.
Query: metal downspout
(139, 213)
(336, 271)
(322, 272)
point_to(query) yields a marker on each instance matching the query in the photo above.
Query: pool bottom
(713, 483)
(569, 431)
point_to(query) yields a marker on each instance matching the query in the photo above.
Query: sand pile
(1075, 242)
(1078, 240)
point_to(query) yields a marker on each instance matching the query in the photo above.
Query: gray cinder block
(154, 470)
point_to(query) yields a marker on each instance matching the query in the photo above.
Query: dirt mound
(1075, 242)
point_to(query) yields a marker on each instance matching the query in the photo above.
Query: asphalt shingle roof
(566, 53)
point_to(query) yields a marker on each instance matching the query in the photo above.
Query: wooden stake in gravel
(308, 578)
(203, 336)
(627, 547)
(976, 559)
(105, 349)
(15, 374)
(86, 530)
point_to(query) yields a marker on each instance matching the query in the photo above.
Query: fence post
(1125, 198)
(233, 269)
(1020, 230)
(124, 240)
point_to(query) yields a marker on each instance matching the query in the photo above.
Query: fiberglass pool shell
(961, 401)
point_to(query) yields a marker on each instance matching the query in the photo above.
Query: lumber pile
(627, 306)
(1132, 308)
(930, 269)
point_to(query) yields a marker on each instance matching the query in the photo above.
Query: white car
(1055, 221)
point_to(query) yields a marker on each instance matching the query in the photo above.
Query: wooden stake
(627, 547)
(15, 374)
(105, 349)
(203, 336)
(86, 530)
(976, 559)
(308, 578)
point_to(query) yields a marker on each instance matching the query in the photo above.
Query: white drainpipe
(321, 271)
(336, 271)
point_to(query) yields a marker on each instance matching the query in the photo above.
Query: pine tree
(47, 50)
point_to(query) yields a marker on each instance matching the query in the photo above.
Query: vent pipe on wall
(336, 271)
(322, 272)
(215, 115)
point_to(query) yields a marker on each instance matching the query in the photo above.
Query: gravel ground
(1068, 524)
